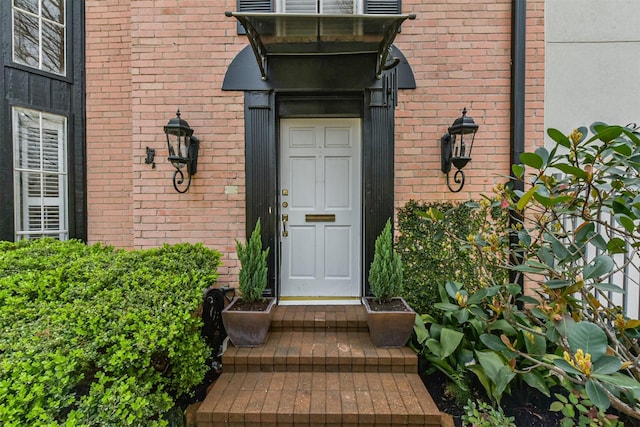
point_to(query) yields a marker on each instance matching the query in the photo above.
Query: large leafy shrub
(92, 336)
(435, 251)
(576, 228)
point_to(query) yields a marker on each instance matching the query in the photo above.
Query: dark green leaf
(620, 380)
(493, 342)
(536, 344)
(452, 288)
(617, 246)
(565, 366)
(623, 149)
(537, 381)
(626, 222)
(543, 153)
(504, 326)
(517, 170)
(462, 315)
(559, 137)
(525, 299)
(585, 231)
(608, 287)
(532, 160)
(477, 297)
(601, 265)
(608, 133)
(514, 289)
(606, 365)
(571, 170)
(557, 284)
(597, 395)
(589, 338)
(524, 238)
(449, 340)
(447, 306)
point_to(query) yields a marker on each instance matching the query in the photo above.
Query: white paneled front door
(320, 230)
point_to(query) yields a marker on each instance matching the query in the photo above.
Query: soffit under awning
(283, 34)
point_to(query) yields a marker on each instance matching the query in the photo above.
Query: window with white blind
(327, 7)
(40, 174)
(39, 34)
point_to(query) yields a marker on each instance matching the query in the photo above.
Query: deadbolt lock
(285, 204)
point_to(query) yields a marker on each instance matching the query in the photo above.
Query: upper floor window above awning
(315, 33)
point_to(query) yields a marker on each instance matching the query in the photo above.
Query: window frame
(41, 21)
(275, 6)
(22, 200)
(280, 7)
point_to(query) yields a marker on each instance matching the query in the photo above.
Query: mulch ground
(530, 409)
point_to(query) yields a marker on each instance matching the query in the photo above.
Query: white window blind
(39, 34)
(40, 174)
(328, 7)
(325, 7)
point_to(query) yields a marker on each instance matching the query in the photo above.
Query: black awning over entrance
(286, 34)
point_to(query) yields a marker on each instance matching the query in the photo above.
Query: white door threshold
(311, 300)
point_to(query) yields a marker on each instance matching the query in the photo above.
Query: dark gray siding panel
(64, 95)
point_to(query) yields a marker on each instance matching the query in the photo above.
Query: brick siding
(145, 59)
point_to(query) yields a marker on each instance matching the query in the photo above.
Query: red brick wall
(460, 55)
(145, 59)
(109, 128)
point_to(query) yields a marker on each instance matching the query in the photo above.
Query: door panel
(320, 208)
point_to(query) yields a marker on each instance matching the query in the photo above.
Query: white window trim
(281, 6)
(40, 19)
(21, 199)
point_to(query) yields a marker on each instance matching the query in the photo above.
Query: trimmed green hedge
(430, 257)
(92, 336)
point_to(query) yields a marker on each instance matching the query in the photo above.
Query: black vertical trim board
(6, 151)
(378, 167)
(261, 174)
(63, 95)
(518, 91)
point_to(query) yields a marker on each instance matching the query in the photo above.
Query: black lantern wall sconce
(456, 148)
(183, 151)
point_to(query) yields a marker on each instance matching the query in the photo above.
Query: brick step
(318, 367)
(349, 318)
(319, 351)
(318, 398)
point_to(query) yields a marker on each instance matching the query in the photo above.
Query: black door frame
(263, 110)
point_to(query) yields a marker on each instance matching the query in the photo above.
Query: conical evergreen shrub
(385, 274)
(253, 271)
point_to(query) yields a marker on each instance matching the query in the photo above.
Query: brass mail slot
(320, 218)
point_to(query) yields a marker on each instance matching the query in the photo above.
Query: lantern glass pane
(463, 146)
